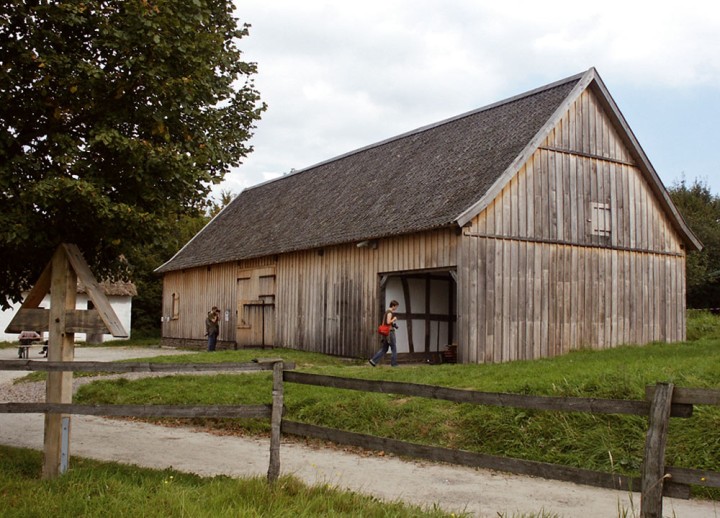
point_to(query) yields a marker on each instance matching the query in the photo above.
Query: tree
(116, 118)
(701, 210)
(147, 305)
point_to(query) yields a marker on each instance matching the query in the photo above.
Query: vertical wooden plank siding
(552, 283)
(199, 289)
(341, 311)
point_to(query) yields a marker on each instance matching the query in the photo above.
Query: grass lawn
(609, 443)
(92, 488)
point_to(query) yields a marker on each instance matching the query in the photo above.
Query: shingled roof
(424, 179)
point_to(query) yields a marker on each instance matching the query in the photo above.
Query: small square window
(600, 220)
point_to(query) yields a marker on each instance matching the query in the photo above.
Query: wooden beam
(586, 155)
(84, 321)
(689, 396)
(52, 366)
(428, 326)
(278, 399)
(477, 460)
(77, 321)
(566, 404)
(40, 289)
(584, 246)
(176, 411)
(695, 477)
(29, 319)
(436, 317)
(408, 306)
(94, 291)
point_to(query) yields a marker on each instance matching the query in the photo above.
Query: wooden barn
(521, 230)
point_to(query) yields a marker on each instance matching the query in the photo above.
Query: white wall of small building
(122, 305)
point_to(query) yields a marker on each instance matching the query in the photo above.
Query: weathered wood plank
(29, 316)
(477, 460)
(276, 422)
(695, 477)
(567, 404)
(177, 411)
(84, 321)
(53, 366)
(61, 347)
(688, 396)
(40, 288)
(95, 292)
(29, 319)
(653, 469)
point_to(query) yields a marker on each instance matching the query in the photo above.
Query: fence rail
(497, 399)
(261, 364)
(663, 401)
(273, 411)
(178, 411)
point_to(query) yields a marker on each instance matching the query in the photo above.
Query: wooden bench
(25, 344)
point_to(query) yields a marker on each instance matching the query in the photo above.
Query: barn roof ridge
(421, 129)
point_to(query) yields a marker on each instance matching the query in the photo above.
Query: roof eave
(167, 265)
(687, 235)
(589, 79)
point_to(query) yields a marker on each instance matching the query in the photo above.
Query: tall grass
(702, 325)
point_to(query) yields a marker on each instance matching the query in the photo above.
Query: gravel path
(34, 392)
(481, 493)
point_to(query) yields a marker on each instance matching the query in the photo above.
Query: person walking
(212, 327)
(389, 341)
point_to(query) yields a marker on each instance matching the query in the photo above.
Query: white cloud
(342, 75)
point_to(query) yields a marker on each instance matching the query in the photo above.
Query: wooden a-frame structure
(62, 321)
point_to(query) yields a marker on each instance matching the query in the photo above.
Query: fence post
(61, 347)
(276, 421)
(653, 471)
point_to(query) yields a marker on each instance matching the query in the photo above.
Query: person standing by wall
(389, 341)
(212, 327)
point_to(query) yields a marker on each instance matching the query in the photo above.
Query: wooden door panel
(256, 307)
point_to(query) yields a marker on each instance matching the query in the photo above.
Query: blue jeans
(387, 343)
(212, 341)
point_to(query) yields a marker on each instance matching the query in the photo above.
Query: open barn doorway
(427, 316)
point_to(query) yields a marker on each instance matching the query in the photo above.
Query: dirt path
(481, 492)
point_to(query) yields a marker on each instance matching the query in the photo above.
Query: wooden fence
(662, 402)
(273, 411)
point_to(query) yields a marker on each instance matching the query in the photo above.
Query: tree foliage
(116, 118)
(147, 305)
(701, 210)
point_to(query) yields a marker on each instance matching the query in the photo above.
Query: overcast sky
(340, 75)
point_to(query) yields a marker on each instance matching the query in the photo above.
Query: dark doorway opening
(427, 314)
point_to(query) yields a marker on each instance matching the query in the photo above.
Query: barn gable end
(575, 251)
